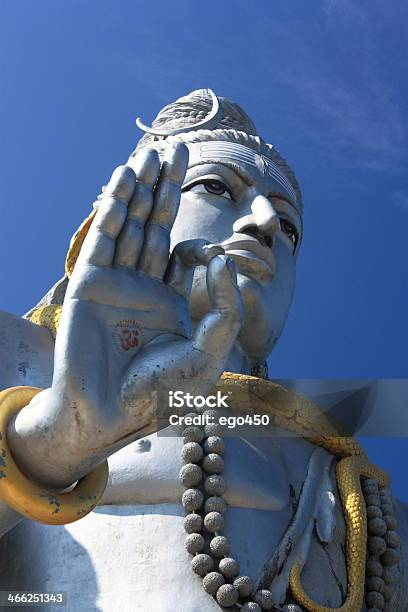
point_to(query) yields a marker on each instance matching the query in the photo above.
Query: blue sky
(325, 81)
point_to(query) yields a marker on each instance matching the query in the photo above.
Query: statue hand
(125, 326)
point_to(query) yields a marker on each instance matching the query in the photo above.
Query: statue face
(234, 203)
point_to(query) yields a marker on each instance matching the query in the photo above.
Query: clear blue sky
(325, 81)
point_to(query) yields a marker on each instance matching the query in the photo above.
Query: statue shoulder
(26, 352)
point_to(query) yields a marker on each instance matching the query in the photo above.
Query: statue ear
(77, 242)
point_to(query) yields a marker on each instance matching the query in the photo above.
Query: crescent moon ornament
(209, 121)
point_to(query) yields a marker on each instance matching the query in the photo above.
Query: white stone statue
(187, 271)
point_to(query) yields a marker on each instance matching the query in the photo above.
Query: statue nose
(264, 219)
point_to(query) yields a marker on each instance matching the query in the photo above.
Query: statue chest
(147, 472)
(130, 551)
(133, 557)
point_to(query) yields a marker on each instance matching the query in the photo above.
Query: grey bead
(191, 475)
(192, 452)
(245, 585)
(213, 429)
(192, 434)
(391, 575)
(375, 600)
(388, 592)
(193, 523)
(192, 499)
(390, 520)
(212, 582)
(392, 539)
(251, 606)
(375, 584)
(264, 599)
(370, 481)
(370, 490)
(220, 546)
(214, 521)
(374, 512)
(194, 543)
(215, 484)
(215, 504)
(372, 500)
(376, 545)
(292, 608)
(227, 595)
(387, 508)
(374, 567)
(202, 564)
(213, 463)
(229, 567)
(377, 526)
(390, 557)
(214, 444)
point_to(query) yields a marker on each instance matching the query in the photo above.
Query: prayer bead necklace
(201, 475)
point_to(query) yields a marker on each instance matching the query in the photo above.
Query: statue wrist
(41, 446)
(32, 500)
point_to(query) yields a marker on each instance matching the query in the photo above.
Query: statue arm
(26, 358)
(125, 329)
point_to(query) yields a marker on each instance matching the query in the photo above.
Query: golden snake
(301, 417)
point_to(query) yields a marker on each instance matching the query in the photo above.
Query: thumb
(218, 330)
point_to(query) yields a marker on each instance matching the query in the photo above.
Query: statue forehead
(221, 151)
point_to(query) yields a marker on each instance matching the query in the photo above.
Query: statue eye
(211, 186)
(217, 187)
(290, 230)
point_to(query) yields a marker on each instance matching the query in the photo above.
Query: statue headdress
(202, 116)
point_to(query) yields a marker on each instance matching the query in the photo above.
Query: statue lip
(246, 247)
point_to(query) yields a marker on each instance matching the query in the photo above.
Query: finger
(155, 253)
(217, 332)
(146, 165)
(99, 245)
(185, 256)
(98, 198)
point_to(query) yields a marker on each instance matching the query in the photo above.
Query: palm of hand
(118, 294)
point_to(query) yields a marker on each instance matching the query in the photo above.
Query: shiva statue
(182, 278)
